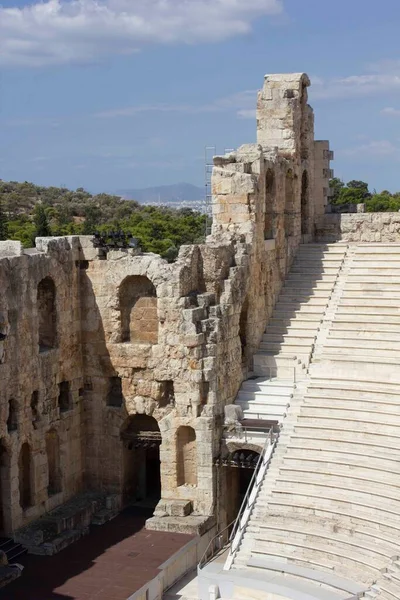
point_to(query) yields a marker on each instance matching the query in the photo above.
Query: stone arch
(5, 488)
(141, 439)
(47, 315)
(12, 420)
(53, 462)
(25, 476)
(305, 204)
(270, 191)
(186, 449)
(289, 203)
(138, 307)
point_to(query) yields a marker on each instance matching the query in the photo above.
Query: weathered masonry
(116, 368)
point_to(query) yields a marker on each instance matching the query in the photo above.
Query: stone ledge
(191, 525)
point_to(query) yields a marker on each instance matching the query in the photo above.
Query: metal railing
(250, 497)
(217, 543)
(223, 537)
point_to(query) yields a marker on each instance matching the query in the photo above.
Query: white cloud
(67, 31)
(374, 148)
(242, 103)
(381, 77)
(390, 111)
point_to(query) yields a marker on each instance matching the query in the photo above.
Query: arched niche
(25, 476)
(289, 203)
(305, 207)
(270, 192)
(53, 463)
(186, 456)
(138, 306)
(47, 315)
(141, 439)
(12, 419)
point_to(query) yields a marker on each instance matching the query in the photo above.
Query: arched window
(269, 205)
(305, 222)
(64, 396)
(53, 462)
(138, 305)
(5, 487)
(187, 456)
(289, 203)
(25, 483)
(12, 420)
(46, 304)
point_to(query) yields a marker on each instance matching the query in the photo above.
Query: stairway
(328, 511)
(287, 344)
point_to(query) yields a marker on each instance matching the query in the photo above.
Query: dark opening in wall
(204, 390)
(46, 305)
(289, 204)
(53, 462)
(64, 396)
(269, 205)
(243, 328)
(304, 204)
(167, 393)
(115, 396)
(25, 478)
(35, 405)
(12, 421)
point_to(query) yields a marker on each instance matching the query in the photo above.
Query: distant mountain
(164, 193)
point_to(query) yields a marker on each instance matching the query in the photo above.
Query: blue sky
(111, 94)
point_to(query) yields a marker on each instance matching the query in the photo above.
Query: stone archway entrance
(238, 470)
(141, 440)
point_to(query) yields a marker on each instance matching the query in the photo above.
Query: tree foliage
(357, 192)
(3, 224)
(32, 211)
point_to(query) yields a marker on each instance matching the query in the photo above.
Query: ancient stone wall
(40, 297)
(126, 363)
(359, 227)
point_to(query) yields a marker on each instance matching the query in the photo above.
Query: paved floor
(110, 563)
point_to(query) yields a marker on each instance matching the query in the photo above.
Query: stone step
(369, 323)
(371, 293)
(286, 348)
(275, 387)
(300, 308)
(365, 536)
(245, 397)
(286, 331)
(305, 300)
(370, 309)
(297, 316)
(369, 301)
(356, 349)
(335, 400)
(312, 270)
(311, 279)
(333, 541)
(342, 408)
(298, 322)
(362, 342)
(355, 358)
(301, 294)
(380, 336)
(289, 338)
(348, 462)
(323, 433)
(364, 387)
(266, 358)
(307, 287)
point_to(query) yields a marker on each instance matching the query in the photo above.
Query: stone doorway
(141, 440)
(238, 470)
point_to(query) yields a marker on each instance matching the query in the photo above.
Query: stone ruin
(117, 368)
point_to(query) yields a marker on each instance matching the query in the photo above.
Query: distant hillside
(164, 193)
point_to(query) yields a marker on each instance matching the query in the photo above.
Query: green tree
(3, 224)
(42, 227)
(335, 185)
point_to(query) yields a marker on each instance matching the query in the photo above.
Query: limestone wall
(127, 362)
(30, 380)
(359, 227)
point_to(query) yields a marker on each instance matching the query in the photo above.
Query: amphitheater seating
(330, 501)
(288, 341)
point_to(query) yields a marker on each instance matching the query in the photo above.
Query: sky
(116, 94)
